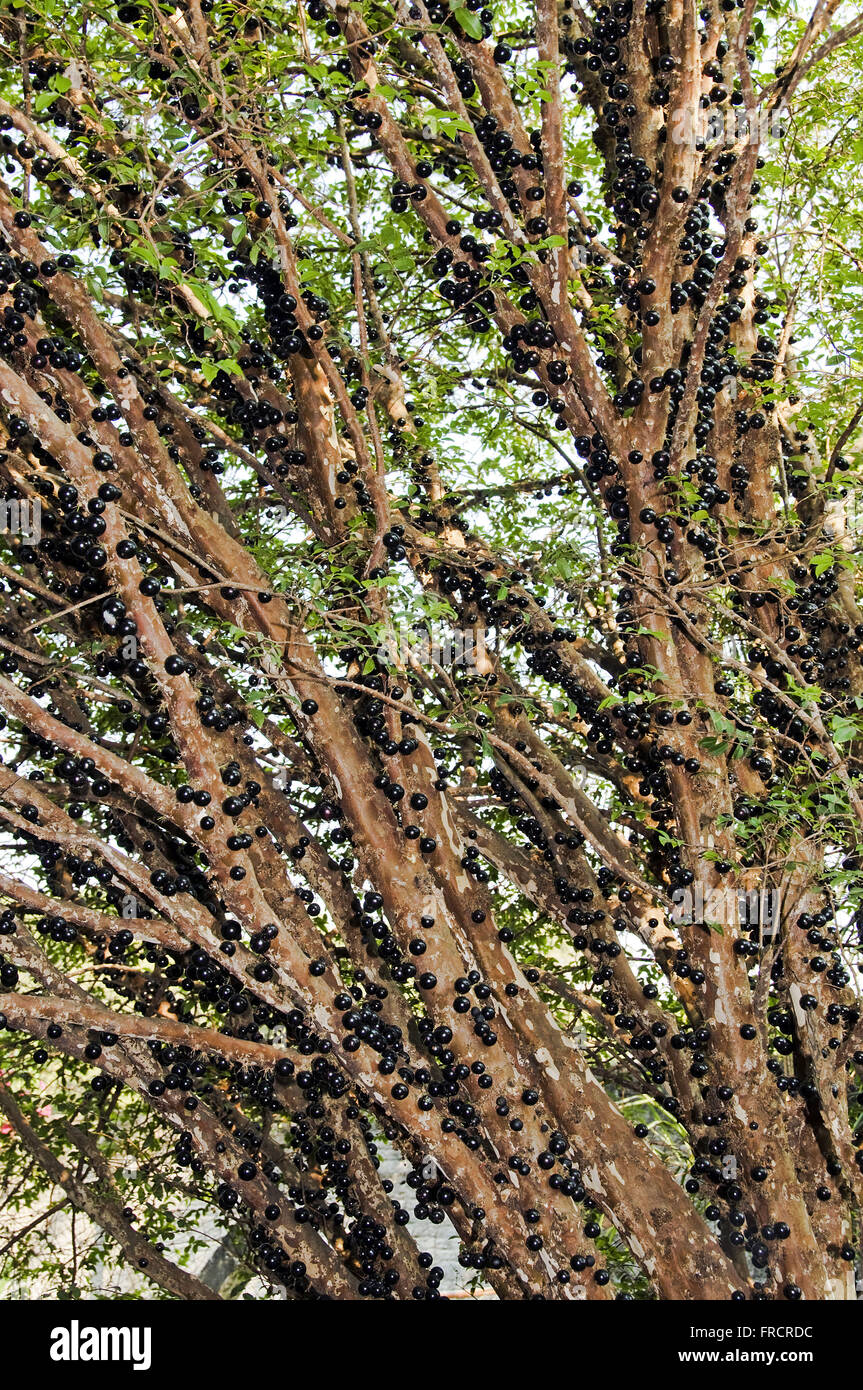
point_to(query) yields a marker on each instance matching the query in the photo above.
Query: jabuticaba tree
(329, 330)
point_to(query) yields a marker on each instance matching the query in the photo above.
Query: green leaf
(844, 730)
(822, 562)
(470, 22)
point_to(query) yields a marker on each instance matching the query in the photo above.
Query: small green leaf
(470, 22)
